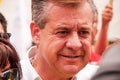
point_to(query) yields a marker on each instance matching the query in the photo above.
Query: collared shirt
(87, 72)
(28, 70)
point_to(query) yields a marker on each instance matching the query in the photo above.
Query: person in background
(61, 30)
(9, 62)
(110, 64)
(3, 28)
(92, 66)
(101, 42)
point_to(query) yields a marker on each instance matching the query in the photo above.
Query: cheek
(53, 48)
(87, 46)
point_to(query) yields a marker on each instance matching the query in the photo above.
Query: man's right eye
(62, 33)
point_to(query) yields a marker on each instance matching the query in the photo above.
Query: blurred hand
(107, 14)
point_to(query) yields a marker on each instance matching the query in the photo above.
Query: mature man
(61, 29)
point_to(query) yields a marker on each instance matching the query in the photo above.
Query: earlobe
(35, 32)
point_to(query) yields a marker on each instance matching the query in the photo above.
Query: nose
(74, 42)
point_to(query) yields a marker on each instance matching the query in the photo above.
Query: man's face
(65, 42)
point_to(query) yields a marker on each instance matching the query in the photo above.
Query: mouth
(70, 56)
(73, 56)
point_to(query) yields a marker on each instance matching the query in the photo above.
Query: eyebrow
(85, 27)
(61, 28)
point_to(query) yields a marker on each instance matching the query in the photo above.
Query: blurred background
(18, 15)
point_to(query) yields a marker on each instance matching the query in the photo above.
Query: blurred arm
(102, 41)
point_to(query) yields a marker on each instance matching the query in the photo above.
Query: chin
(71, 69)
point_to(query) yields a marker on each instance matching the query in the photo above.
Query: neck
(45, 71)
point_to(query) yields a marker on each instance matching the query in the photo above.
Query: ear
(35, 32)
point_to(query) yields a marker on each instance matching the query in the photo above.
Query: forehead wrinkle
(72, 23)
(74, 16)
(75, 26)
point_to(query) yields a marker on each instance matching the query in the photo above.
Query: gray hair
(39, 12)
(94, 9)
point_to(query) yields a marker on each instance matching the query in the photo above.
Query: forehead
(82, 12)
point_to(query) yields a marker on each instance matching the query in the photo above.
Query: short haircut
(39, 13)
(95, 11)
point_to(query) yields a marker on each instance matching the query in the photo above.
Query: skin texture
(64, 45)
